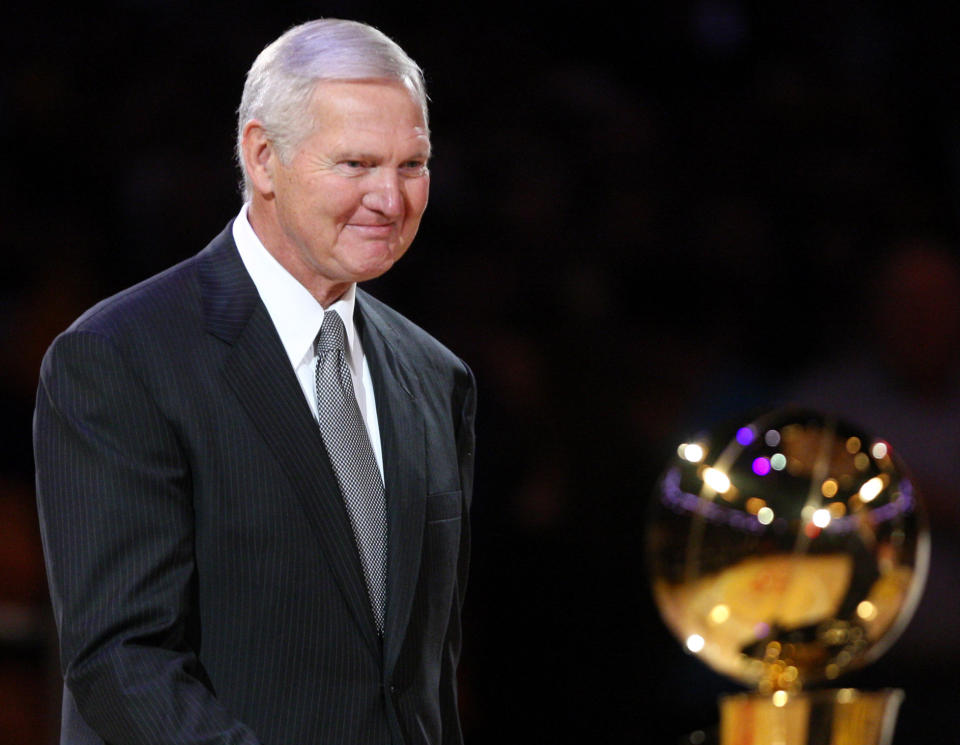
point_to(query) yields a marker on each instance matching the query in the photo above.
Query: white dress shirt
(297, 316)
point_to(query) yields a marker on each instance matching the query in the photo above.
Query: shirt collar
(295, 313)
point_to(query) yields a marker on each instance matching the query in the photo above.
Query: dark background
(642, 221)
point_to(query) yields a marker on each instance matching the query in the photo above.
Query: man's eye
(351, 167)
(415, 167)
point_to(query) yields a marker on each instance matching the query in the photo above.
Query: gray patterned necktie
(351, 454)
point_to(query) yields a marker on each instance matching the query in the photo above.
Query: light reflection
(867, 610)
(761, 466)
(778, 461)
(720, 613)
(829, 488)
(772, 438)
(837, 510)
(871, 489)
(853, 445)
(716, 480)
(821, 518)
(780, 699)
(745, 435)
(879, 450)
(695, 643)
(680, 501)
(691, 452)
(765, 515)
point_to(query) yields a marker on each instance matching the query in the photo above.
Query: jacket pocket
(444, 506)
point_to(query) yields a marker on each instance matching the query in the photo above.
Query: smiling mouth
(375, 230)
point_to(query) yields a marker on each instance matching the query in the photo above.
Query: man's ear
(259, 157)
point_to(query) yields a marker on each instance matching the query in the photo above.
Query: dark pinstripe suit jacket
(203, 572)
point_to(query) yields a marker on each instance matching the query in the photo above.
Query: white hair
(281, 81)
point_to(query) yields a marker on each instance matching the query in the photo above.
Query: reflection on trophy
(785, 552)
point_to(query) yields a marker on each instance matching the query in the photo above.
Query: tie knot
(332, 336)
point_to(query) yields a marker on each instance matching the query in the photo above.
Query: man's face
(348, 203)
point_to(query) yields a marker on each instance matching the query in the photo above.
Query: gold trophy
(784, 552)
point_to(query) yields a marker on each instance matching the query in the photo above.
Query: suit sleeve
(465, 451)
(116, 515)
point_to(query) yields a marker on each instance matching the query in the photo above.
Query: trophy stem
(844, 716)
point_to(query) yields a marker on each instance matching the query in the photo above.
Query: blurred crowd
(638, 225)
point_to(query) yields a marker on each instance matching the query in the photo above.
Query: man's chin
(374, 264)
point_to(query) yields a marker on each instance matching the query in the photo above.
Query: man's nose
(385, 194)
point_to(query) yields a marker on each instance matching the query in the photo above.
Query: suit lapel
(259, 373)
(404, 461)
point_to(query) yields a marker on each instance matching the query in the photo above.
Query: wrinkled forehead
(375, 108)
(352, 87)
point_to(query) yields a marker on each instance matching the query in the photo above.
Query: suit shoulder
(153, 315)
(160, 304)
(157, 316)
(143, 305)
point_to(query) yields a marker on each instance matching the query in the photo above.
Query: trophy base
(844, 716)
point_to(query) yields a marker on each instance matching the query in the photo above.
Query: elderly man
(253, 478)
